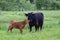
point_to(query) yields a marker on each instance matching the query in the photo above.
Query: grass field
(50, 31)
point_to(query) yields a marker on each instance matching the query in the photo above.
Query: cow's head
(30, 16)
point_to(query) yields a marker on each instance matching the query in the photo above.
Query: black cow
(36, 19)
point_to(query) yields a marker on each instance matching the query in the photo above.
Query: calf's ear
(26, 14)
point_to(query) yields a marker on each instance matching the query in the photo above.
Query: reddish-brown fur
(19, 25)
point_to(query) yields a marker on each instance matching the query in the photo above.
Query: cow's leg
(30, 28)
(36, 27)
(41, 26)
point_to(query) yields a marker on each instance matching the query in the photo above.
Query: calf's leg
(10, 28)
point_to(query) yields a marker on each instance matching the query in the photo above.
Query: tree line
(25, 5)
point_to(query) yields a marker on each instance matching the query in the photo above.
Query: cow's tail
(42, 16)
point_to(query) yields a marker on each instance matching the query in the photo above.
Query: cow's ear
(33, 14)
(26, 14)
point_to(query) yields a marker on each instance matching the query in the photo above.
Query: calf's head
(26, 21)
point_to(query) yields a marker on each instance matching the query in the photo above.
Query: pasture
(50, 31)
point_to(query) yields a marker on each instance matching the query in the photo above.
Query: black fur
(36, 19)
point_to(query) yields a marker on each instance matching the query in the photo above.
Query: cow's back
(39, 17)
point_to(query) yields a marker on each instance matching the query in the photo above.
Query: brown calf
(19, 25)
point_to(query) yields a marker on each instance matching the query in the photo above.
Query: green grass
(50, 31)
